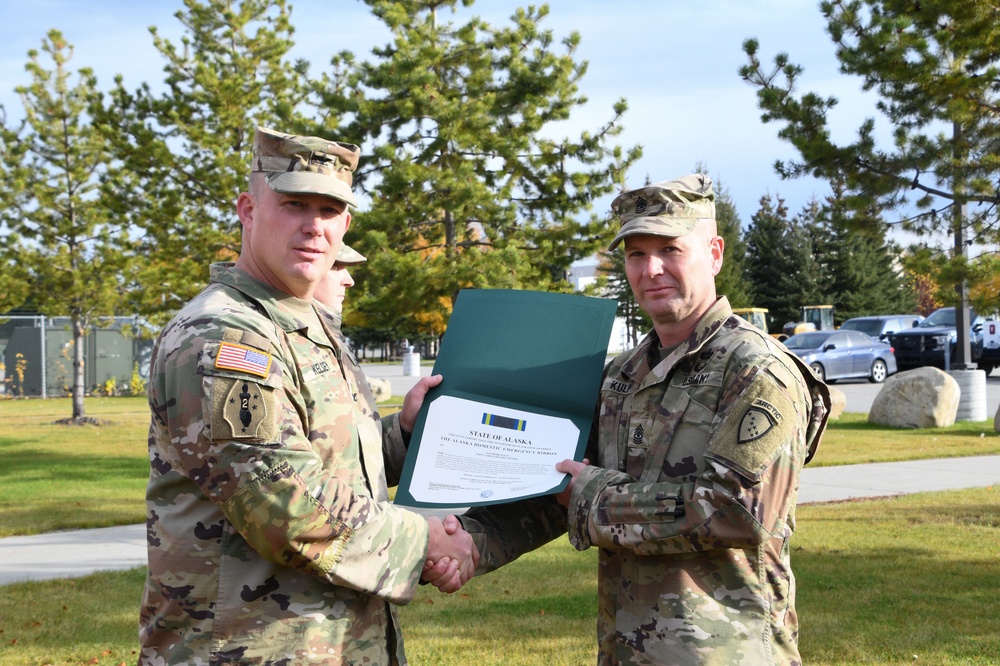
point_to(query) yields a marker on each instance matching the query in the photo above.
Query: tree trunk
(78, 412)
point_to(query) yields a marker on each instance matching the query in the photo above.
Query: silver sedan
(844, 354)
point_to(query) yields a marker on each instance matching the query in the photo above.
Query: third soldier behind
(699, 437)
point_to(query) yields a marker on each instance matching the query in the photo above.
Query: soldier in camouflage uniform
(271, 538)
(699, 438)
(333, 287)
(330, 292)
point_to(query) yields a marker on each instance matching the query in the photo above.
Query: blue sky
(675, 62)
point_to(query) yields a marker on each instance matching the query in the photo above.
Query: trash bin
(411, 363)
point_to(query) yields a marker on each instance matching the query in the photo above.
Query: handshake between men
(451, 554)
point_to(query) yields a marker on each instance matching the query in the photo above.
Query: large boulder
(381, 388)
(996, 421)
(921, 398)
(837, 402)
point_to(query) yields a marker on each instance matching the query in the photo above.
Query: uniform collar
(286, 311)
(636, 364)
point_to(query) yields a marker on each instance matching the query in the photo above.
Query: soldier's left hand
(414, 400)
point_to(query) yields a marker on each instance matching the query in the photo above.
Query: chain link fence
(36, 356)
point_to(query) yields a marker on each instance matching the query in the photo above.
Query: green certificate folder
(522, 370)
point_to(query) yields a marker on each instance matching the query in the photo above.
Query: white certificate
(475, 453)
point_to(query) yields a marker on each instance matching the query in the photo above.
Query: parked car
(881, 326)
(928, 343)
(841, 354)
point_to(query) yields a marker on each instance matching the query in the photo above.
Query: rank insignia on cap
(245, 359)
(640, 205)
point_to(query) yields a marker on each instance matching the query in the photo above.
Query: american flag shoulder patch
(244, 359)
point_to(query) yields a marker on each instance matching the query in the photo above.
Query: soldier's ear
(717, 246)
(244, 209)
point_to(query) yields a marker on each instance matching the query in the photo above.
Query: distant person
(333, 287)
(698, 440)
(331, 292)
(271, 538)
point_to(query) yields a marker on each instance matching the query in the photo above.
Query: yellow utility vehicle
(755, 316)
(814, 318)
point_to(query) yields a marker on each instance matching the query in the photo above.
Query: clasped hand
(451, 555)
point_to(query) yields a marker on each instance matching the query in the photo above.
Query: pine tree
(188, 149)
(934, 65)
(73, 252)
(731, 281)
(467, 188)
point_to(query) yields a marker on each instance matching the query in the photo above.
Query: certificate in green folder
(522, 370)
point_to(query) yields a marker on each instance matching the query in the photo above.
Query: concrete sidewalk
(81, 552)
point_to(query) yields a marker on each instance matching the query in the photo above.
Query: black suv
(926, 343)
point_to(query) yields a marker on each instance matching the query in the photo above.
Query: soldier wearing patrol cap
(334, 285)
(699, 437)
(271, 539)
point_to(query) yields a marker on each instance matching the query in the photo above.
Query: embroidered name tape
(245, 359)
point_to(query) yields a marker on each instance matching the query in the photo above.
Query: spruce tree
(72, 255)
(934, 65)
(765, 238)
(731, 281)
(468, 188)
(863, 271)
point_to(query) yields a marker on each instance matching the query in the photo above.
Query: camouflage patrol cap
(348, 256)
(670, 208)
(305, 164)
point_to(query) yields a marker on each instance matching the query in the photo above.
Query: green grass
(852, 440)
(56, 477)
(907, 580)
(880, 581)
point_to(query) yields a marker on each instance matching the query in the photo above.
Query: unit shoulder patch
(757, 421)
(755, 429)
(242, 409)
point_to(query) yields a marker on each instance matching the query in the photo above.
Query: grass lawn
(852, 440)
(907, 580)
(57, 477)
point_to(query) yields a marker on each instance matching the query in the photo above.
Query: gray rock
(920, 398)
(837, 402)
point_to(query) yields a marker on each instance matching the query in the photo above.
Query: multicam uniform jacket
(690, 499)
(270, 537)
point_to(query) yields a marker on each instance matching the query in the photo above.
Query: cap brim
(304, 182)
(348, 256)
(654, 226)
